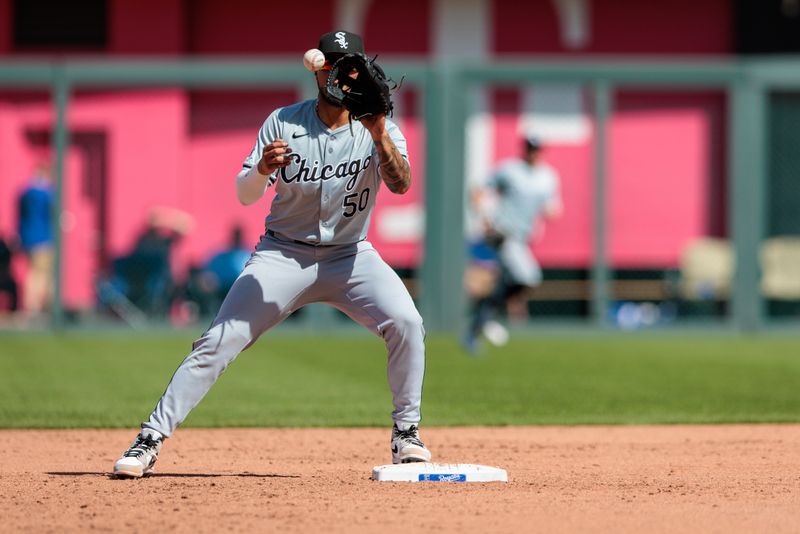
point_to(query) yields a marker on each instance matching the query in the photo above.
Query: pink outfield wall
(158, 155)
(177, 148)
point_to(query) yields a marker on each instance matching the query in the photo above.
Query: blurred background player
(35, 227)
(327, 171)
(518, 195)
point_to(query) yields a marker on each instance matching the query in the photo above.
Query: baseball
(313, 59)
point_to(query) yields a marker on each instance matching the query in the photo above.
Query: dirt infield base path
(630, 479)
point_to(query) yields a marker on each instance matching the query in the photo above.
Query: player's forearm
(250, 185)
(395, 170)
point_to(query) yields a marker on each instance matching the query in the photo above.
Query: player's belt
(306, 243)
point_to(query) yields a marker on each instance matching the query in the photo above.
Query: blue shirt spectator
(227, 264)
(36, 214)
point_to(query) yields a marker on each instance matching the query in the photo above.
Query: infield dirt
(734, 478)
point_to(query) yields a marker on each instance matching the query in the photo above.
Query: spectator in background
(35, 226)
(8, 285)
(208, 285)
(518, 195)
(144, 276)
(226, 265)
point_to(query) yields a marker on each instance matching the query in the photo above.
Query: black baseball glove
(360, 85)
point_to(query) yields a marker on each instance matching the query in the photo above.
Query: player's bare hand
(275, 155)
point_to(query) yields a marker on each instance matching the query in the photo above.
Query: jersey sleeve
(270, 130)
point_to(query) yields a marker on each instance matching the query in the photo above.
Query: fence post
(746, 199)
(60, 140)
(600, 272)
(443, 265)
(431, 296)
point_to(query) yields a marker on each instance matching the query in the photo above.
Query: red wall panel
(675, 27)
(5, 26)
(388, 29)
(617, 26)
(246, 27)
(147, 27)
(525, 27)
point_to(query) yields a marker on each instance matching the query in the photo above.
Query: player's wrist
(379, 136)
(263, 168)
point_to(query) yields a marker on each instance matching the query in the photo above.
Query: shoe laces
(410, 435)
(142, 445)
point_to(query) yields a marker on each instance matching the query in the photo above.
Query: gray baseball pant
(281, 277)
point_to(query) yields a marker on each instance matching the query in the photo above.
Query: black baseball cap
(335, 44)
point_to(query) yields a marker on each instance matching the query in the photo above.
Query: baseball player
(524, 189)
(326, 171)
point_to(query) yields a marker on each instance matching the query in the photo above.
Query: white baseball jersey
(524, 191)
(326, 195)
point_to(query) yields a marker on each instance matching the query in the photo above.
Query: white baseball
(314, 59)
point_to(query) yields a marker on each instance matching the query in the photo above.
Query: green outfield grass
(79, 380)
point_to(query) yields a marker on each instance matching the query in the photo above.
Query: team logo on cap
(340, 38)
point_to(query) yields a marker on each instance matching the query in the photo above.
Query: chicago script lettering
(301, 171)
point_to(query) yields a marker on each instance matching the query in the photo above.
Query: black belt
(306, 243)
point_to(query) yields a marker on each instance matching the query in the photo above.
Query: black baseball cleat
(407, 447)
(140, 458)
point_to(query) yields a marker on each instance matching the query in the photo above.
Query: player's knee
(210, 338)
(217, 343)
(205, 349)
(408, 322)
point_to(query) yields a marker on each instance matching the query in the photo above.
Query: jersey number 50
(351, 206)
